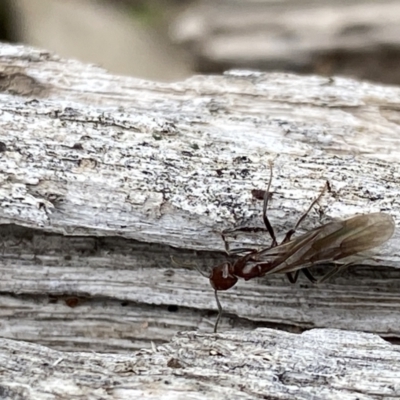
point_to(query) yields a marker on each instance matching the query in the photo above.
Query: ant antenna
(189, 264)
(201, 272)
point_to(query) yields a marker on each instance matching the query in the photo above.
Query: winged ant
(328, 243)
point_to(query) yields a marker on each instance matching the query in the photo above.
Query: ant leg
(267, 196)
(335, 270)
(305, 271)
(219, 311)
(293, 278)
(309, 275)
(267, 224)
(301, 219)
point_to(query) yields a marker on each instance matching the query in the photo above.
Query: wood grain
(263, 363)
(103, 178)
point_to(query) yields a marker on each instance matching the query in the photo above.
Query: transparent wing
(358, 234)
(330, 242)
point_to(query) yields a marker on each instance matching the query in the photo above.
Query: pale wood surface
(103, 178)
(358, 38)
(258, 364)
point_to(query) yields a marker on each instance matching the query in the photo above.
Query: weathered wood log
(263, 363)
(357, 38)
(103, 178)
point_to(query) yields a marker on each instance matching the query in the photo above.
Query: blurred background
(169, 40)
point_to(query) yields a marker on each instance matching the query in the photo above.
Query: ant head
(222, 278)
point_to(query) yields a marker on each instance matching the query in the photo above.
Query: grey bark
(263, 363)
(103, 178)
